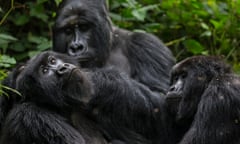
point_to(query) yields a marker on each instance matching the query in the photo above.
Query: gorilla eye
(52, 60)
(175, 78)
(68, 31)
(184, 75)
(44, 70)
(84, 27)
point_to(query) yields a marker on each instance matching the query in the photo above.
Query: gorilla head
(47, 79)
(83, 29)
(189, 79)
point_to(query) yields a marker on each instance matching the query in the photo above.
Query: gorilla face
(189, 79)
(52, 79)
(82, 29)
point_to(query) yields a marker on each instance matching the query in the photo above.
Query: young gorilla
(43, 115)
(83, 29)
(205, 98)
(57, 95)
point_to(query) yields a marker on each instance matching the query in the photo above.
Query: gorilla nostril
(62, 70)
(76, 48)
(66, 65)
(172, 88)
(80, 48)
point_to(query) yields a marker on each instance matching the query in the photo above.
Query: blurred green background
(187, 27)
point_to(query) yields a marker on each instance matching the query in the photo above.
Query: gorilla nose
(76, 49)
(64, 68)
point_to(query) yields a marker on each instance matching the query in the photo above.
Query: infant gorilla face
(53, 79)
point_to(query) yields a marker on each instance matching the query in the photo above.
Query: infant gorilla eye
(44, 69)
(52, 60)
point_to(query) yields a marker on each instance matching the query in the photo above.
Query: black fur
(43, 114)
(204, 97)
(141, 56)
(100, 105)
(86, 26)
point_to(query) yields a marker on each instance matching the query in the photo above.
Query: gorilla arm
(126, 105)
(28, 123)
(149, 59)
(217, 118)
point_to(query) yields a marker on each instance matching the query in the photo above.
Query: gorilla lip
(172, 95)
(72, 73)
(83, 58)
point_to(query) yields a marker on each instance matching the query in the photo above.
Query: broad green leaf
(58, 2)
(21, 20)
(206, 33)
(140, 14)
(33, 53)
(216, 24)
(34, 39)
(115, 16)
(204, 26)
(38, 12)
(44, 45)
(7, 37)
(6, 61)
(18, 47)
(193, 46)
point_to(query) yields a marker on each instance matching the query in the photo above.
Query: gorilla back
(83, 29)
(206, 97)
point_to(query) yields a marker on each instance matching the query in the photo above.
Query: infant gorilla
(63, 104)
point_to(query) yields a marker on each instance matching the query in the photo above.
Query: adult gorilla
(205, 98)
(83, 29)
(58, 95)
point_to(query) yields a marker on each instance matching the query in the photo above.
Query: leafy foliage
(188, 27)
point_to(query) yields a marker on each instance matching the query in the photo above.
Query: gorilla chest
(119, 61)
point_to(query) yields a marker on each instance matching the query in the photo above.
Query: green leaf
(193, 46)
(116, 17)
(6, 61)
(33, 53)
(204, 26)
(18, 46)
(140, 14)
(216, 24)
(41, 1)
(38, 12)
(2, 92)
(35, 39)
(7, 37)
(206, 33)
(44, 45)
(58, 2)
(21, 20)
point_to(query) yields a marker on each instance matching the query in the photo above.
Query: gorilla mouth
(87, 56)
(73, 74)
(84, 58)
(173, 100)
(173, 97)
